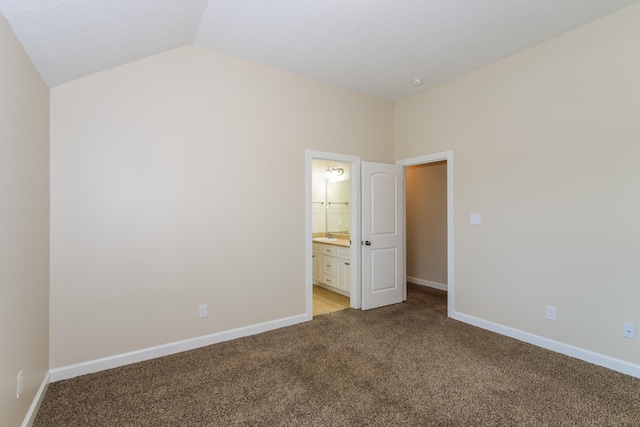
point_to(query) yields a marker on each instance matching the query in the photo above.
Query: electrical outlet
(20, 385)
(475, 219)
(629, 331)
(551, 313)
(202, 310)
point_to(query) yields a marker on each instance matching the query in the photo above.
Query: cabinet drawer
(329, 265)
(317, 248)
(330, 279)
(343, 253)
(329, 250)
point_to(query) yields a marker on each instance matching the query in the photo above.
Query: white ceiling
(372, 46)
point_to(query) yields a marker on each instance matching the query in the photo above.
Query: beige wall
(24, 228)
(179, 180)
(546, 146)
(427, 222)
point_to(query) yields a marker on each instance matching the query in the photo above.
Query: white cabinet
(343, 268)
(329, 267)
(318, 261)
(332, 267)
(329, 250)
(343, 275)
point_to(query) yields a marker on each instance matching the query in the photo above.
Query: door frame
(355, 293)
(431, 158)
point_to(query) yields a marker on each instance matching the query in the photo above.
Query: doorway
(447, 158)
(356, 232)
(331, 222)
(426, 223)
(340, 229)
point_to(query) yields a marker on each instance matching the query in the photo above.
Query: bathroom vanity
(332, 265)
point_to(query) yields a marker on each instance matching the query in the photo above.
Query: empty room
(152, 153)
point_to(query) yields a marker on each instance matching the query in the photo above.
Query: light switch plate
(476, 219)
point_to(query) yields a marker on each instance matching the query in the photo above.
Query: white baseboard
(428, 283)
(97, 365)
(332, 289)
(104, 363)
(562, 348)
(37, 400)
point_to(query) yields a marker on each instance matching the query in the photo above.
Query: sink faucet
(329, 236)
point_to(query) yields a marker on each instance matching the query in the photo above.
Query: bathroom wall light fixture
(333, 171)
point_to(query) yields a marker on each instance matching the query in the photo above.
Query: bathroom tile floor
(325, 301)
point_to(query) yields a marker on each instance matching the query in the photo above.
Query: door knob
(367, 243)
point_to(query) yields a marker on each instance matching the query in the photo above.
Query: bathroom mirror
(338, 206)
(331, 197)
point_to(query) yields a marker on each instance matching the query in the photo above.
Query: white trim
(437, 157)
(117, 360)
(427, 283)
(559, 347)
(356, 275)
(37, 401)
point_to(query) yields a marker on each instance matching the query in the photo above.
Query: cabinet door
(343, 275)
(318, 268)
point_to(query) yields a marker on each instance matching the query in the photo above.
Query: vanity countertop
(335, 242)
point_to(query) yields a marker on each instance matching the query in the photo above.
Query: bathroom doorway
(331, 238)
(333, 189)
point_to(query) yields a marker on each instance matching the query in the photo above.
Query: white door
(383, 278)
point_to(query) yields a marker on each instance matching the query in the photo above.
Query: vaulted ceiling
(372, 46)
